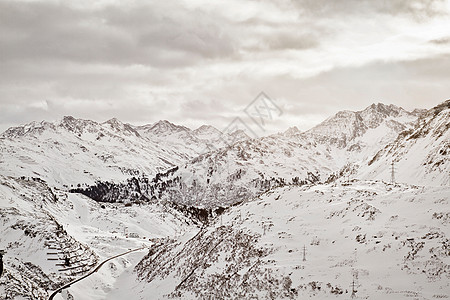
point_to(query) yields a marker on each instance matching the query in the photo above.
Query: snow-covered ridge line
(75, 151)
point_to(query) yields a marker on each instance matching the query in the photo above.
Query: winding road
(92, 272)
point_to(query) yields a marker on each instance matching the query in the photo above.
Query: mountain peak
(291, 131)
(113, 121)
(207, 131)
(380, 105)
(387, 109)
(165, 127)
(75, 125)
(68, 119)
(346, 126)
(119, 126)
(205, 128)
(72, 121)
(239, 134)
(164, 122)
(69, 122)
(29, 128)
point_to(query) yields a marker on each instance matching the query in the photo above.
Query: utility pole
(354, 285)
(353, 289)
(304, 253)
(392, 173)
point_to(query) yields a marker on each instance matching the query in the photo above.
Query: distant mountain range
(207, 169)
(204, 167)
(75, 151)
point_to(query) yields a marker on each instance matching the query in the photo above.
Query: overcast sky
(202, 61)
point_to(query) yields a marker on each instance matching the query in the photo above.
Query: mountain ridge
(245, 169)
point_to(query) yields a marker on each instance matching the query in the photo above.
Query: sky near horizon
(203, 62)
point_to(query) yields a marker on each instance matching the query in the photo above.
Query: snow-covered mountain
(421, 155)
(75, 151)
(162, 128)
(312, 241)
(247, 168)
(207, 132)
(362, 133)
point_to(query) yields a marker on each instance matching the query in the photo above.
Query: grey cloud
(142, 34)
(204, 109)
(305, 102)
(411, 84)
(297, 35)
(171, 27)
(441, 41)
(418, 9)
(287, 40)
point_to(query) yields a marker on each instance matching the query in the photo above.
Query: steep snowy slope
(52, 237)
(28, 235)
(74, 151)
(421, 155)
(362, 133)
(366, 232)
